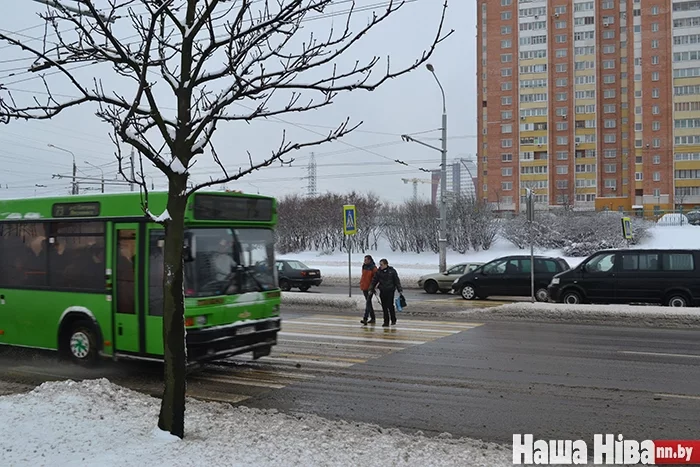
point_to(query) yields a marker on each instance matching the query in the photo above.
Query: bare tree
(199, 57)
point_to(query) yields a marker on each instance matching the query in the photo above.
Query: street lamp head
(430, 67)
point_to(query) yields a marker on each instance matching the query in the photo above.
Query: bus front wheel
(81, 343)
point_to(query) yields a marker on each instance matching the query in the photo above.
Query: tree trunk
(172, 409)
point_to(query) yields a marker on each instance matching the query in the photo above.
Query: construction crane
(415, 182)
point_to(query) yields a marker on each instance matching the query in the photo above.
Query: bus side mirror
(189, 250)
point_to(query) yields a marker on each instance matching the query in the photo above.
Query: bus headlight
(555, 280)
(201, 320)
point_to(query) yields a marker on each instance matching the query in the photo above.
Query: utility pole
(133, 175)
(311, 173)
(442, 236)
(74, 189)
(101, 171)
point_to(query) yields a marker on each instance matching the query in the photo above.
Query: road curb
(603, 315)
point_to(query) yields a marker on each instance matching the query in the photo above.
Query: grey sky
(410, 104)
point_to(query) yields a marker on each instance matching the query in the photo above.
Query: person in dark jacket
(368, 271)
(388, 281)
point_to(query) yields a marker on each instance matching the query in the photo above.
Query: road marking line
(282, 343)
(311, 362)
(240, 381)
(347, 338)
(322, 357)
(659, 354)
(678, 396)
(455, 324)
(309, 323)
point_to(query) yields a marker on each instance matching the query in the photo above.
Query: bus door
(128, 296)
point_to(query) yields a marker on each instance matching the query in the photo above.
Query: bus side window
(155, 273)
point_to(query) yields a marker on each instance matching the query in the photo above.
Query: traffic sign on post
(627, 228)
(349, 219)
(349, 228)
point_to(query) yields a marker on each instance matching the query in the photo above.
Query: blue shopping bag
(397, 304)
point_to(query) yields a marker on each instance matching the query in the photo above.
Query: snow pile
(647, 316)
(325, 300)
(96, 423)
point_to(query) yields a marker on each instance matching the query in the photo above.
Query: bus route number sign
(75, 210)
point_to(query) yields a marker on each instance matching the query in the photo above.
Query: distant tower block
(311, 175)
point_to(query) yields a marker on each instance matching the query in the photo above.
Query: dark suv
(509, 276)
(669, 277)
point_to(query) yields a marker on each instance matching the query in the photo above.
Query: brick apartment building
(593, 104)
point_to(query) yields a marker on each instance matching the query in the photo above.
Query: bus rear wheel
(81, 343)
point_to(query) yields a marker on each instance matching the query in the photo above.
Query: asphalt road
(482, 380)
(491, 381)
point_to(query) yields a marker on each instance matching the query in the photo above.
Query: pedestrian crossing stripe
(308, 347)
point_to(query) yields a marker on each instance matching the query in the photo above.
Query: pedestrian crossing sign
(349, 219)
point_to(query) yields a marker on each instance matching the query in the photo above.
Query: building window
(656, 126)
(562, 140)
(655, 44)
(655, 93)
(506, 143)
(654, 75)
(655, 60)
(506, 15)
(560, 53)
(562, 126)
(506, 58)
(638, 126)
(505, 30)
(608, 64)
(610, 168)
(507, 157)
(610, 123)
(506, 2)
(562, 155)
(656, 142)
(655, 10)
(638, 176)
(654, 27)
(610, 183)
(610, 138)
(562, 169)
(507, 171)
(561, 68)
(609, 94)
(506, 100)
(561, 96)
(655, 109)
(560, 25)
(506, 43)
(505, 186)
(656, 160)
(506, 86)
(507, 115)
(657, 176)
(507, 128)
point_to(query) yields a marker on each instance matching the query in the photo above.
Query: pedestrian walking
(368, 271)
(388, 281)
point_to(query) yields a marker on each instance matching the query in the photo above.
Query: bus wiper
(251, 274)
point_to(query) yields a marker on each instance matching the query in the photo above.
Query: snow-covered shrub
(576, 233)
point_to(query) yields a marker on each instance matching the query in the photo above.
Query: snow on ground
(334, 267)
(96, 423)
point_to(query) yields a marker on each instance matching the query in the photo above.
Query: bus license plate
(245, 330)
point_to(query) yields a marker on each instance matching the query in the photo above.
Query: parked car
(669, 277)
(693, 217)
(442, 281)
(509, 276)
(293, 273)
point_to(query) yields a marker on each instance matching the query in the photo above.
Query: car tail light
(303, 273)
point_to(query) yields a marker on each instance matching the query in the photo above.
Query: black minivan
(509, 276)
(668, 277)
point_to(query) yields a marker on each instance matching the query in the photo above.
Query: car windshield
(298, 265)
(230, 261)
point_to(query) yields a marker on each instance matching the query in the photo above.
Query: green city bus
(83, 275)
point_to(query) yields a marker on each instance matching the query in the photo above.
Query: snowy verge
(95, 422)
(336, 276)
(356, 302)
(618, 315)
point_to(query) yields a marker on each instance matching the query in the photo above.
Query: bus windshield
(230, 261)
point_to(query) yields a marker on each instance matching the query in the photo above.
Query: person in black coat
(388, 281)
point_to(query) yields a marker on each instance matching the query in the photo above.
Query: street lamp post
(443, 177)
(75, 168)
(101, 171)
(442, 240)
